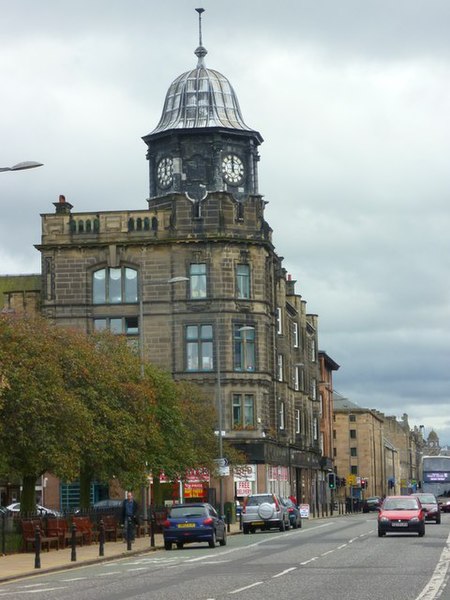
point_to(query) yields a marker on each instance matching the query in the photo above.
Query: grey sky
(352, 100)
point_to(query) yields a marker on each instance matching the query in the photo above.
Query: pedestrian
(129, 517)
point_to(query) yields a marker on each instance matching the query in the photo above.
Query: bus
(436, 475)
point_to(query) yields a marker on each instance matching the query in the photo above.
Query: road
(328, 559)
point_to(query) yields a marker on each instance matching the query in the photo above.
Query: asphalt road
(332, 559)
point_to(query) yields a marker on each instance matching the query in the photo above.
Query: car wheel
(299, 523)
(438, 520)
(245, 529)
(180, 545)
(421, 533)
(282, 526)
(265, 511)
(380, 533)
(294, 525)
(212, 541)
(223, 541)
(168, 545)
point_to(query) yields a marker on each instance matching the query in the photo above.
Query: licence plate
(186, 525)
(257, 522)
(399, 524)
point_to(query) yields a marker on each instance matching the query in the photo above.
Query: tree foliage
(79, 406)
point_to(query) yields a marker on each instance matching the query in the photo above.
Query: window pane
(243, 281)
(131, 287)
(131, 326)
(115, 286)
(192, 356)
(198, 280)
(99, 287)
(236, 410)
(249, 356)
(248, 410)
(207, 356)
(115, 326)
(206, 332)
(99, 324)
(192, 332)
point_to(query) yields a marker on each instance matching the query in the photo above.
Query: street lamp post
(22, 166)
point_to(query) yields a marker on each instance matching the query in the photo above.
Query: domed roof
(201, 98)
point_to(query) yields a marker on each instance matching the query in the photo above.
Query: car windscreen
(257, 500)
(187, 512)
(406, 504)
(427, 498)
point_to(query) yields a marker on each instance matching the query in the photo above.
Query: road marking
(39, 591)
(283, 572)
(75, 579)
(328, 552)
(438, 581)
(247, 587)
(199, 558)
(137, 569)
(108, 574)
(310, 560)
(341, 546)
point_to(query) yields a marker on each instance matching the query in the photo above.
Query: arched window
(131, 224)
(154, 224)
(147, 224)
(115, 286)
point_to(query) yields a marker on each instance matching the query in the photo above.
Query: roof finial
(201, 52)
(200, 11)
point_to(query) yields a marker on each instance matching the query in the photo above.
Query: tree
(38, 412)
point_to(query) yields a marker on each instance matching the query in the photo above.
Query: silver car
(264, 511)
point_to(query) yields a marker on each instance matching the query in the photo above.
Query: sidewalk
(16, 566)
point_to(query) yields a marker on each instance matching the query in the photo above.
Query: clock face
(165, 172)
(232, 169)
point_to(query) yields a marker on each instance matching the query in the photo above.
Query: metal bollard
(129, 532)
(37, 546)
(73, 543)
(101, 538)
(152, 528)
(228, 521)
(240, 521)
(3, 533)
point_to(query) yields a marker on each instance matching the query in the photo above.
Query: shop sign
(244, 473)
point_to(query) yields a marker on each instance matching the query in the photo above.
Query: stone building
(194, 282)
(359, 448)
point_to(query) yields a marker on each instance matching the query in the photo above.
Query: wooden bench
(57, 527)
(29, 536)
(84, 525)
(110, 527)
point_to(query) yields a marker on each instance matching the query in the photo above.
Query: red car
(401, 514)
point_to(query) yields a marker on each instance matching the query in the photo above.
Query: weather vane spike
(200, 11)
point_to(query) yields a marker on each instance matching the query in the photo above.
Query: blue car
(196, 522)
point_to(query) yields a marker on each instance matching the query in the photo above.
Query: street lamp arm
(22, 166)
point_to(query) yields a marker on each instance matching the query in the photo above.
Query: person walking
(130, 509)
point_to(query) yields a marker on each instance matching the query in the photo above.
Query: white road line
(341, 546)
(439, 579)
(283, 572)
(137, 569)
(191, 560)
(328, 552)
(108, 574)
(40, 591)
(75, 579)
(310, 560)
(247, 587)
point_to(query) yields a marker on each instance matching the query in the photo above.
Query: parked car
(264, 511)
(372, 504)
(430, 506)
(42, 511)
(295, 519)
(196, 522)
(401, 514)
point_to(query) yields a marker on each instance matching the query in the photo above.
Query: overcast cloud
(352, 99)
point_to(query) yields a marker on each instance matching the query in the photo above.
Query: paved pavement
(16, 566)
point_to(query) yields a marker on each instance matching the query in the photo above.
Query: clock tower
(201, 143)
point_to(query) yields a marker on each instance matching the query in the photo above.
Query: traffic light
(332, 481)
(343, 482)
(363, 484)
